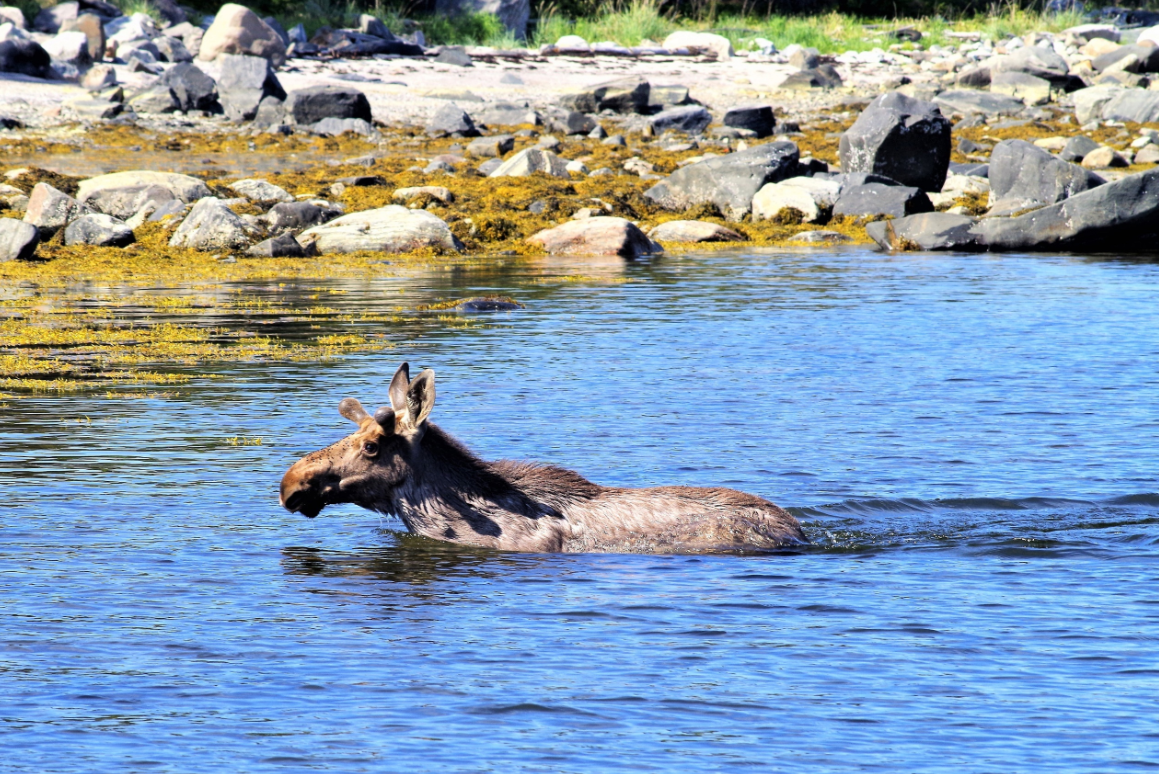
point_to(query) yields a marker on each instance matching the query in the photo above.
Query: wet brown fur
(401, 464)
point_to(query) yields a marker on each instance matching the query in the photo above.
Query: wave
(877, 505)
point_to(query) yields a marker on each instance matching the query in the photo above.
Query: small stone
(99, 77)
(454, 55)
(616, 140)
(821, 236)
(1076, 148)
(577, 167)
(296, 216)
(689, 119)
(638, 166)
(489, 166)
(18, 240)
(1148, 155)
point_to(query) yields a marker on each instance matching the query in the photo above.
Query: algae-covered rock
(693, 231)
(98, 230)
(211, 225)
(122, 194)
(390, 229)
(18, 240)
(532, 160)
(729, 181)
(902, 138)
(596, 236)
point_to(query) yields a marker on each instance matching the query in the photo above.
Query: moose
(399, 463)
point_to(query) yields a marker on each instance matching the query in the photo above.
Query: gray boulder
(966, 102)
(191, 88)
(754, 118)
(123, 194)
(507, 114)
(1039, 61)
(1137, 105)
(51, 210)
(1023, 175)
(728, 181)
(688, 119)
(390, 229)
(927, 231)
(1030, 89)
(336, 127)
(261, 190)
(281, 246)
(902, 138)
(531, 160)
(570, 122)
(491, 147)
(452, 119)
(298, 216)
(1147, 58)
(693, 231)
(664, 97)
(1089, 103)
(1077, 148)
(98, 230)
(874, 200)
(172, 49)
(313, 103)
(156, 99)
(25, 57)
(596, 236)
(822, 77)
(211, 225)
(18, 240)
(627, 95)
(244, 82)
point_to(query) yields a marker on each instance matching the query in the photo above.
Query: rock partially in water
(261, 190)
(211, 225)
(927, 231)
(98, 230)
(532, 160)
(390, 229)
(281, 246)
(51, 210)
(122, 194)
(596, 236)
(822, 236)
(875, 200)
(18, 240)
(729, 181)
(238, 30)
(487, 304)
(693, 231)
(902, 138)
(244, 82)
(314, 103)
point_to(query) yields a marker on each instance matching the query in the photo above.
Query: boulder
(693, 231)
(238, 30)
(966, 102)
(261, 190)
(271, 111)
(974, 78)
(688, 119)
(281, 246)
(455, 55)
(188, 34)
(1146, 59)
(627, 95)
(452, 119)
(297, 216)
(1088, 32)
(491, 147)
(902, 138)
(570, 122)
(372, 25)
(51, 210)
(122, 194)
(813, 198)
(596, 236)
(25, 57)
(663, 97)
(700, 42)
(1038, 61)
(99, 77)
(98, 230)
(1089, 102)
(758, 119)
(191, 88)
(927, 231)
(1077, 147)
(18, 240)
(823, 77)
(512, 14)
(728, 181)
(1137, 105)
(172, 49)
(1120, 215)
(803, 58)
(69, 48)
(390, 229)
(89, 24)
(1104, 157)
(532, 160)
(314, 103)
(1024, 176)
(157, 99)
(507, 114)
(336, 127)
(244, 82)
(49, 19)
(14, 16)
(875, 200)
(211, 225)
(1029, 89)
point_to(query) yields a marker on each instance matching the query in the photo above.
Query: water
(970, 442)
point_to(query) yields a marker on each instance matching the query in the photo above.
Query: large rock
(50, 19)
(513, 14)
(51, 210)
(902, 138)
(1077, 148)
(966, 102)
(390, 229)
(813, 198)
(98, 230)
(18, 240)
(297, 216)
(728, 181)
(755, 118)
(927, 231)
(627, 95)
(688, 119)
(1137, 105)
(703, 42)
(693, 231)
(1024, 176)
(261, 190)
(156, 99)
(1146, 59)
(531, 160)
(69, 48)
(1039, 61)
(1121, 215)
(89, 24)
(211, 225)
(452, 119)
(314, 103)
(172, 49)
(244, 82)
(123, 194)
(192, 88)
(596, 236)
(1089, 102)
(14, 16)
(569, 122)
(491, 147)
(1028, 89)
(281, 246)
(26, 57)
(876, 200)
(238, 30)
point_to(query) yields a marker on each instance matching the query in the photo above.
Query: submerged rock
(390, 229)
(596, 236)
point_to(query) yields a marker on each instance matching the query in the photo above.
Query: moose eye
(370, 448)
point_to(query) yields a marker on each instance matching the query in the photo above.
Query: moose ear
(398, 387)
(352, 410)
(420, 398)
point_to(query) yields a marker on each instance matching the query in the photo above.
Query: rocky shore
(1044, 142)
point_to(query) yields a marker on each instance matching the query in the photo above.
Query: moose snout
(305, 493)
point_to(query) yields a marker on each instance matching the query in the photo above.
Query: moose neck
(453, 495)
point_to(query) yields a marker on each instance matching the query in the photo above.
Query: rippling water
(970, 442)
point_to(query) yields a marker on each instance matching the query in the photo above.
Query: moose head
(367, 466)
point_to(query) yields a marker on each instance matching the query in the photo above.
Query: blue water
(970, 441)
